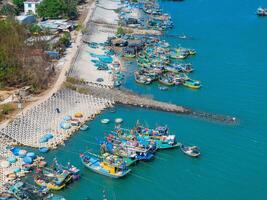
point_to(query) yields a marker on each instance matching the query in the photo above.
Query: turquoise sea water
(231, 42)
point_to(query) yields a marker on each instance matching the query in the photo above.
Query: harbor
(126, 113)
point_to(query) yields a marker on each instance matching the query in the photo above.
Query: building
(30, 6)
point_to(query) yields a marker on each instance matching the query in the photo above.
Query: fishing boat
(84, 127)
(129, 157)
(118, 120)
(166, 81)
(261, 11)
(190, 151)
(52, 181)
(105, 121)
(192, 84)
(143, 151)
(129, 55)
(141, 79)
(106, 167)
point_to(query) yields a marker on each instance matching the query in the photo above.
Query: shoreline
(47, 113)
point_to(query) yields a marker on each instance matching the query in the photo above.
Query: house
(30, 6)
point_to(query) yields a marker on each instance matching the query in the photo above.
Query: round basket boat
(118, 120)
(105, 121)
(43, 149)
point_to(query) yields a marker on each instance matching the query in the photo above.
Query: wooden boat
(192, 84)
(190, 151)
(84, 127)
(261, 11)
(109, 168)
(129, 55)
(166, 81)
(118, 120)
(105, 121)
(49, 185)
(141, 79)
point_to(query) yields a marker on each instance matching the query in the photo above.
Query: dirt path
(68, 61)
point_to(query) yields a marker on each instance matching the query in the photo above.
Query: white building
(30, 6)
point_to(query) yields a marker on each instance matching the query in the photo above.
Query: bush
(9, 10)
(7, 108)
(58, 9)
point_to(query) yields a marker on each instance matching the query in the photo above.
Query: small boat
(43, 149)
(182, 36)
(190, 151)
(84, 127)
(118, 120)
(105, 121)
(262, 11)
(163, 88)
(166, 81)
(192, 84)
(110, 168)
(129, 55)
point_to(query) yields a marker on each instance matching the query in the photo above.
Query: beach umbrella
(4, 164)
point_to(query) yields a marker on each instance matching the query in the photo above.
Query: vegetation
(122, 31)
(65, 39)
(19, 4)
(21, 64)
(9, 10)
(58, 9)
(6, 109)
(75, 81)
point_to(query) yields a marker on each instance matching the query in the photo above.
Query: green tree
(19, 4)
(58, 9)
(9, 10)
(65, 39)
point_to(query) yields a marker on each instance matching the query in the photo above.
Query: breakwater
(127, 97)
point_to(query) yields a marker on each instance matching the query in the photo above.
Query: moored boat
(261, 11)
(110, 168)
(190, 151)
(192, 84)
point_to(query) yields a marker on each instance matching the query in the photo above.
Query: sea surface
(231, 61)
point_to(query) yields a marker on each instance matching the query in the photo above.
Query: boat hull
(105, 174)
